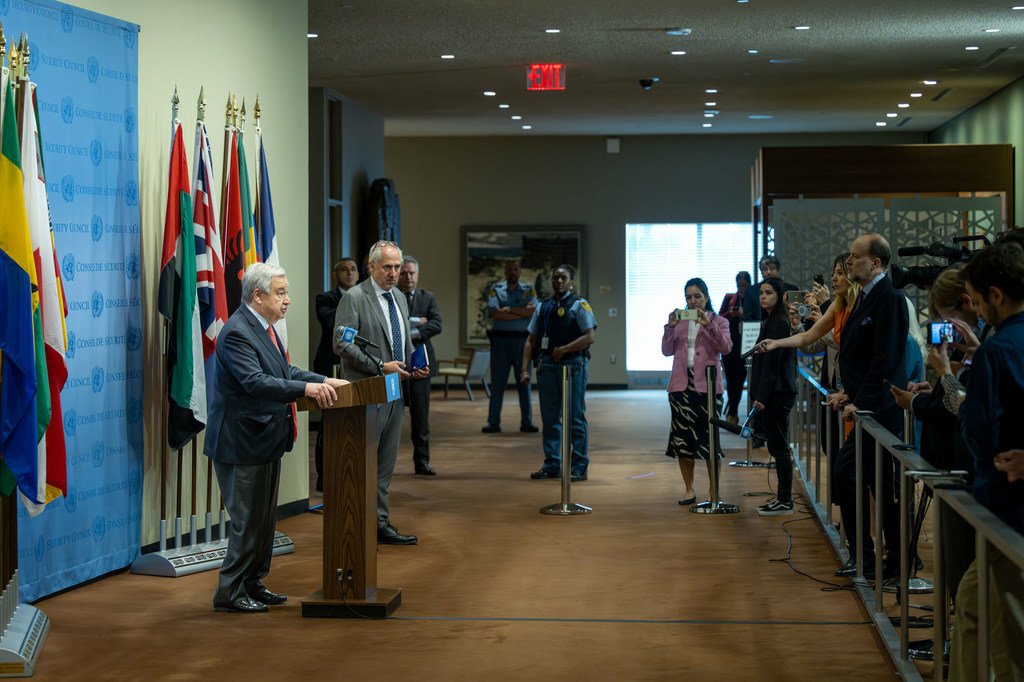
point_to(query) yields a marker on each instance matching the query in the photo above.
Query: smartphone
(690, 314)
(798, 296)
(939, 332)
(819, 280)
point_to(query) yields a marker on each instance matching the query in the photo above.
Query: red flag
(231, 220)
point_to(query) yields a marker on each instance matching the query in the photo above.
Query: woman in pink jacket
(693, 345)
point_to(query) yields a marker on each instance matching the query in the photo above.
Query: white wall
(247, 47)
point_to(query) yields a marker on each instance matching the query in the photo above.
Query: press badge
(544, 343)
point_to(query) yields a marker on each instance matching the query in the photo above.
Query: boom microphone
(747, 430)
(348, 335)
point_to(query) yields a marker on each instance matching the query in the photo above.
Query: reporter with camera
(735, 366)
(773, 392)
(694, 338)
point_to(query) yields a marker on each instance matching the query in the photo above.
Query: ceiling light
(708, 114)
(711, 104)
(971, 48)
(903, 105)
(991, 30)
(312, 35)
(527, 127)
(916, 94)
(517, 118)
(711, 91)
(881, 124)
(801, 28)
(678, 31)
(742, 2)
(705, 125)
(892, 114)
(1017, 7)
(552, 30)
(677, 53)
(751, 51)
(447, 56)
(930, 82)
(760, 117)
(489, 93)
(503, 106)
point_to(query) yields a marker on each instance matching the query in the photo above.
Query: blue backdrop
(86, 68)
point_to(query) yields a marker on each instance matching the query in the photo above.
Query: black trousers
(417, 398)
(735, 375)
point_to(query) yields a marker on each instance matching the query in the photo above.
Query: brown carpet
(639, 590)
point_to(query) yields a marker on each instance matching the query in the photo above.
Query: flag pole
(201, 126)
(258, 134)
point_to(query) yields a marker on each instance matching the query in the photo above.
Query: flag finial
(243, 114)
(201, 106)
(227, 113)
(256, 109)
(175, 101)
(25, 56)
(13, 57)
(234, 111)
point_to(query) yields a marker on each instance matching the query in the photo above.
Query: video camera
(922, 276)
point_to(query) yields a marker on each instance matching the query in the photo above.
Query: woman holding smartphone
(694, 338)
(773, 391)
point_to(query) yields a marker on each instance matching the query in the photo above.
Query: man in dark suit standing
(346, 275)
(424, 323)
(381, 318)
(250, 427)
(871, 353)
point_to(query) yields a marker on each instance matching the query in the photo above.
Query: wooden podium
(350, 504)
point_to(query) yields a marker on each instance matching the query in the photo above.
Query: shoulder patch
(586, 306)
(494, 292)
(530, 292)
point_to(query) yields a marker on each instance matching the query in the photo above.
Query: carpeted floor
(639, 590)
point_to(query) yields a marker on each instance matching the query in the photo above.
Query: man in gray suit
(250, 427)
(382, 318)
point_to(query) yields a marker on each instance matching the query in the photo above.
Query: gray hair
(258, 276)
(411, 259)
(375, 251)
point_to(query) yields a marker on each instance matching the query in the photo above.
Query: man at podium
(249, 429)
(381, 321)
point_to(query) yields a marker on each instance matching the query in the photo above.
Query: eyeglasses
(382, 244)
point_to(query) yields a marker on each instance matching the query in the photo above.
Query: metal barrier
(990, 530)
(566, 507)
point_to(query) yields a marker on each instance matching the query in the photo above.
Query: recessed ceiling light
(751, 51)
(711, 91)
(801, 28)
(991, 30)
(312, 35)
(517, 117)
(971, 48)
(903, 105)
(447, 56)
(916, 94)
(929, 82)
(552, 30)
(760, 117)
(527, 127)
(678, 31)
(711, 104)
(503, 106)
(489, 93)
(705, 125)
(892, 114)
(881, 124)
(677, 53)
(1017, 7)
(708, 114)
(742, 2)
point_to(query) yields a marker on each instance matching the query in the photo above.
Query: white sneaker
(775, 508)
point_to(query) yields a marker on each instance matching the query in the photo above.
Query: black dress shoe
(528, 428)
(389, 535)
(265, 596)
(319, 487)
(240, 605)
(846, 570)
(425, 470)
(688, 500)
(544, 473)
(491, 428)
(578, 477)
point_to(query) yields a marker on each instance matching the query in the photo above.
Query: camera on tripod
(922, 276)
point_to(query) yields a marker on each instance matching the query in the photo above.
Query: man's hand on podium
(323, 394)
(396, 366)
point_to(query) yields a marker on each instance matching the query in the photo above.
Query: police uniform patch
(586, 306)
(561, 311)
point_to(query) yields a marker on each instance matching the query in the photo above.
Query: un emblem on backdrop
(97, 304)
(67, 18)
(93, 69)
(98, 453)
(134, 338)
(67, 267)
(67, 109)
(40, 543)
(131, 193)
(134, 411)
(131, 266)
(70, 422)
(67, 188)
(98, 377)
(71, 500)
(134, 480)
(70, 353)
(96, 152)
(97, 228)
(99, 527)
(129, 120)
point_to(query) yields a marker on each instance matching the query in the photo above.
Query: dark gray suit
(360, 309)
(417, 395)
(248, 431)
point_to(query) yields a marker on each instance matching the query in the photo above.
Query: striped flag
(213, 306)
(248, 227)
(231, 221)
(51, 452)
(19, 312)
(178, 303)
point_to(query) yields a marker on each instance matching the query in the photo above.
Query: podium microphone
(349, 335)
(747, 430)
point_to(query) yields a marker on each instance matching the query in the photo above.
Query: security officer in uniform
(562, 330)
(511, 306)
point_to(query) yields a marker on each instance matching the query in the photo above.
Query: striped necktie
(397, 347)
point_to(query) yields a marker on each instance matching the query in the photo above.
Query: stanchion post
(566, 507)
(715, 504)
(877, 527)
(981, 549)
(940, 603)
(858, 435)
(829, 425)
(904, 593)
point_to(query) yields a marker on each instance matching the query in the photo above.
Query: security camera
(648, 83)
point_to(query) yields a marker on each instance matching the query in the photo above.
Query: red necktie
(277, 344)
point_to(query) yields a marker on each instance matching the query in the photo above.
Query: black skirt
(689, 432)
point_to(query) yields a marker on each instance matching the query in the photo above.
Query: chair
(468, 369)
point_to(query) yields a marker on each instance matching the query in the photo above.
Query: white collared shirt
(263, 320)
(387, 315)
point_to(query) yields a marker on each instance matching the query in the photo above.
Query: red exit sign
(545, 77)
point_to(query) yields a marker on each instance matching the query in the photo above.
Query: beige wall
(248, 47)
(444, 183)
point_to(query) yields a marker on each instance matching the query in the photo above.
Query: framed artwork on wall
(538, 248)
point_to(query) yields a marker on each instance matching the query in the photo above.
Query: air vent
(992, 57)
(904, 121)
(942, 94)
